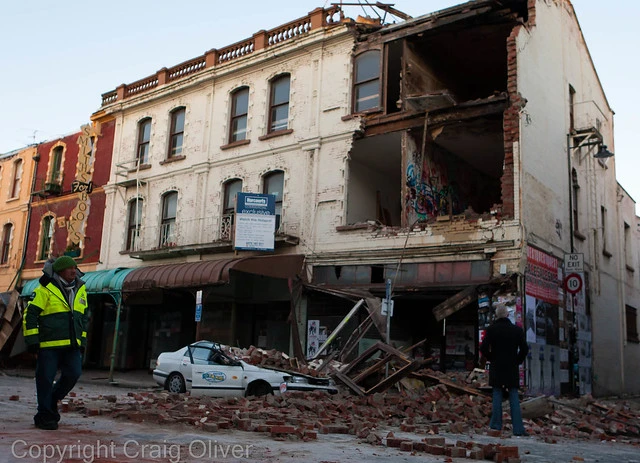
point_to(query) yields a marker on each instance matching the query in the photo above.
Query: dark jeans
(69, 361)
(514, 405)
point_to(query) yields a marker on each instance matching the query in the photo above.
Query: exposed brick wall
(511, 124)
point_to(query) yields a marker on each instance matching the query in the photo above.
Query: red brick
(394, 442)
(435, 449)
(310, 434)
(210, 427)
(434, 441)
(406, 446)
(420, 446)
(459, 452)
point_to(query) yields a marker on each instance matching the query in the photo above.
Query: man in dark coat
(505, 346)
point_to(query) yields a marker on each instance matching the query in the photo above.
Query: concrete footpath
(132, 379)
(127, 435)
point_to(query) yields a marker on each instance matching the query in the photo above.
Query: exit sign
(574, 262)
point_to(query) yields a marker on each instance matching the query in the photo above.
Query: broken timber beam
(455, 303)
(449, 384)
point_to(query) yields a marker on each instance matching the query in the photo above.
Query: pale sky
(57, 58)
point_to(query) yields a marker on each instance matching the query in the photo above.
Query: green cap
(63, 262)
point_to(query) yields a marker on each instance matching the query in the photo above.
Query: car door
(217, 377)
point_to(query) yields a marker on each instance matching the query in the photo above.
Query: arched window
(273, 184)
(168, 223)
(231, 189)
(55, 172)
(176, 132)
(366, 82)
(279, 103)
(134, 223)
(17, 177)
(7, 232)
(239, 110)
(144, 137)
(46, 236)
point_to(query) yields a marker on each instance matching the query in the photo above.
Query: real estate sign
(255, 223)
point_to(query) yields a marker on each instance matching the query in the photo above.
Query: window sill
(235, 143)
(15, 198)
(630, 268)
(579, 235)
(276, 133)
(348, 117)
(355, 226)
(606, 253)
(141, 167)
(173, 159)
(633, 339)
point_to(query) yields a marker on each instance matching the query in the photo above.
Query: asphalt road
(101, 439)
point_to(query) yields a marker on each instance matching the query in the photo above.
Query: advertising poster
(541, 322)
(313, 337)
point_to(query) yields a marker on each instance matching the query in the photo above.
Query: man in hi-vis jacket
(55, 327)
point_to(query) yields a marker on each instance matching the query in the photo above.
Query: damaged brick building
(458, 155)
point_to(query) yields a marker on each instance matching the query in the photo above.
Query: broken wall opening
(375, 180)
(466, 62)
(457, 170)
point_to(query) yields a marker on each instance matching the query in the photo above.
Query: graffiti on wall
(440, 183)
(430, 192)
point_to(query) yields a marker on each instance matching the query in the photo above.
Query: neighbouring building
(66, 218)
(441, 157)
(16, 177)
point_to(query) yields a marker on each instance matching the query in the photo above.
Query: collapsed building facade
(449, 156)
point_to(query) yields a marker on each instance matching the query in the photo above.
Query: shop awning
(212, 272)
(98, 282)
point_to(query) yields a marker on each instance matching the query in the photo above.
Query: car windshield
(207, 353)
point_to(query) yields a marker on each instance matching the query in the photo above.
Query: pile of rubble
(436, 409)
(416, 399)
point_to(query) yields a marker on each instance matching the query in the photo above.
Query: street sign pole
(387, 298)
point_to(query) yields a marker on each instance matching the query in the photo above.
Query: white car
(205, 369)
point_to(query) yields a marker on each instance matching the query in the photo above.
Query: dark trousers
(69, 361)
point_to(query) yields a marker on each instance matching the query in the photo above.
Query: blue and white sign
(198, 312)
(255, 224)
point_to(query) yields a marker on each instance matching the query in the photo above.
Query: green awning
(99, 282)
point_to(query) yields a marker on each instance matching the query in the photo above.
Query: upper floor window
(168, 223)
(133, 224)
(603, 218)
(632, 323)
(7, 231)
(46, 237)
(366, 86)
(231, 189)
(239, 110)
(628, 247)
(144, 136)
(279, 103)
(575, 200)
(274, 185)
(17, 176)
(176, 134)
(55, 171)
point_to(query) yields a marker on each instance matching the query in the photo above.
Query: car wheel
(259, 389)
(175, 383)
